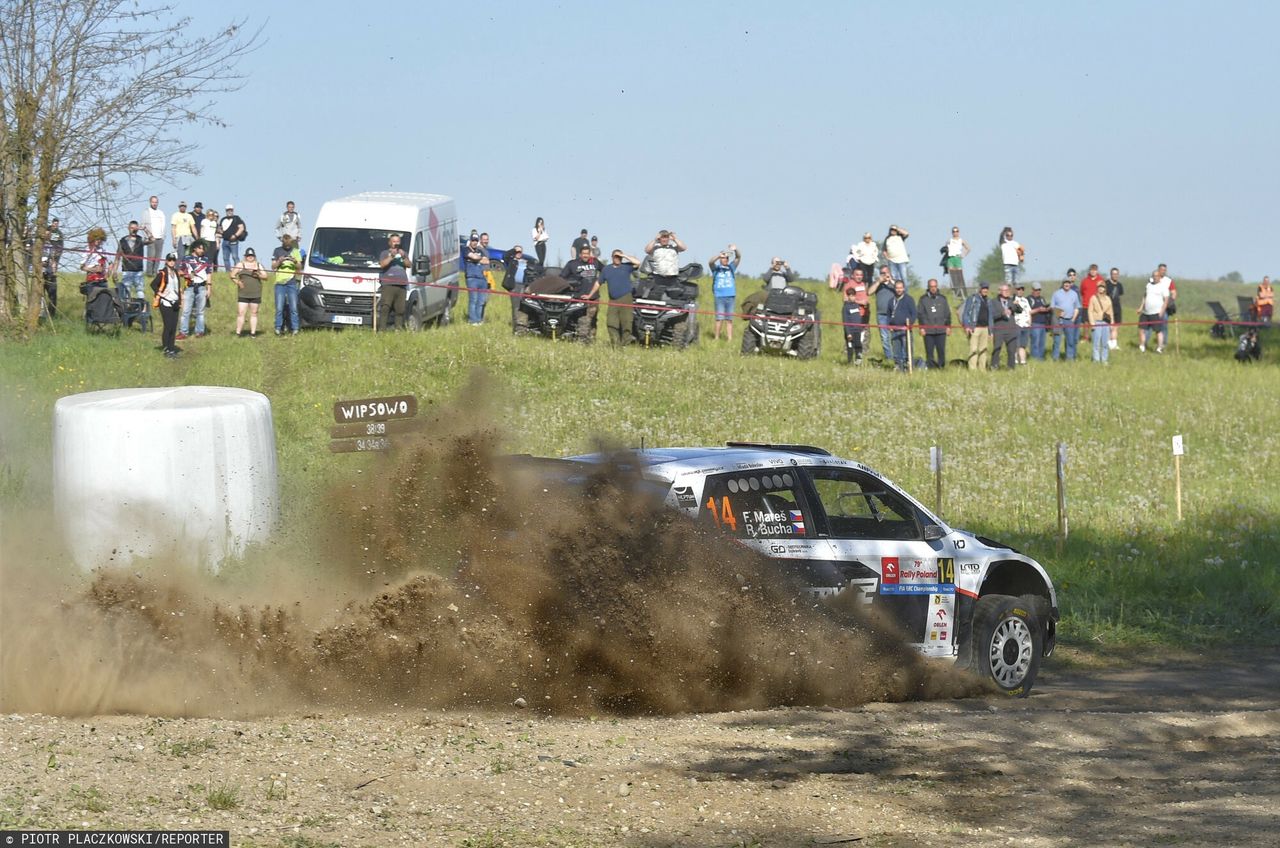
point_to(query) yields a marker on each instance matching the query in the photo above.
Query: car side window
(858, 506)
(757, 504)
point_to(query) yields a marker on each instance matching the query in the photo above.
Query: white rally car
(839, 526)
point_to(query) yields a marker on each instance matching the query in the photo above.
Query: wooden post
(1061, 462)
(910, 355)
(935, 465)
(375, 310)
(1177, 474)
(1177, 335)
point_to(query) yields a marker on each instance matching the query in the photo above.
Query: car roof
(668, 463)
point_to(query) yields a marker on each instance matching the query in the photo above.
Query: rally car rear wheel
(1007, 642)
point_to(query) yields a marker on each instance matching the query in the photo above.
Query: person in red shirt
(1090, 285)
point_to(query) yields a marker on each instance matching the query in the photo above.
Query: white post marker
(935, 465)
(1177, 473)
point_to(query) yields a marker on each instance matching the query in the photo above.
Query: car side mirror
(933, 533)
(422, 266)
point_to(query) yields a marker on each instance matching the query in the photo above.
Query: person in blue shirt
(476, 262)
(902, 316)
(1066, 307)
(724, 287)
(619, 279)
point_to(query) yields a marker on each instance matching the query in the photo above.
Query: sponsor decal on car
(797, 521)
(888, 572)
(685, 497)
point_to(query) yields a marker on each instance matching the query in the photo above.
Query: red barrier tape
(869, 325)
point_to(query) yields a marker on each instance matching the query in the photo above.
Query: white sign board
(935, 459)
(1177, 446)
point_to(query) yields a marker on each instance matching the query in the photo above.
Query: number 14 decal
(724, 515)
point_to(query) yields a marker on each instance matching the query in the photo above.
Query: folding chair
(1223, 326)
(1246, 309)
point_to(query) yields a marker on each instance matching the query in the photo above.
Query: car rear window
(757, 504)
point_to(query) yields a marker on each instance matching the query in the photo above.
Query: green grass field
(1129, 575)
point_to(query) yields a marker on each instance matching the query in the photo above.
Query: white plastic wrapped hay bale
(185, 474)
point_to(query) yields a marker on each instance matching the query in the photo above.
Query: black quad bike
(664, 309)
(784, 322)
(549, 309)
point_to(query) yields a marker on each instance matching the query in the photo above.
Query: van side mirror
(933, 533)
(422, 266)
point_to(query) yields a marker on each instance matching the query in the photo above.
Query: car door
(877, 531)
(768, 510)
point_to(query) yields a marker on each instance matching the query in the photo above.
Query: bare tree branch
(95, 94)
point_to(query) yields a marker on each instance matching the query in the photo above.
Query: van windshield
(351, 248)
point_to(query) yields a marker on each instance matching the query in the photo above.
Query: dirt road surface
(1181, 753)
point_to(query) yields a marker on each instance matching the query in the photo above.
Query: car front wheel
(1007, 642)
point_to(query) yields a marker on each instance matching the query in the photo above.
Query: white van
(340, 275)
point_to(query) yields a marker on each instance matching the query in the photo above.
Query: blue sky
(1124, 133)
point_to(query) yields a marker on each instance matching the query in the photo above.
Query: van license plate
(347, 319)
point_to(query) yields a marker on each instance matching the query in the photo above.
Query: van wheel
(414, 319)
(1007, 642)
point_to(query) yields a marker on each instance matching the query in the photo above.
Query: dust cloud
(454, 577)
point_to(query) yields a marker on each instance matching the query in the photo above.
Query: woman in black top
(1115, 290)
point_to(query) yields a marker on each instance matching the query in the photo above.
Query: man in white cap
(231, 231)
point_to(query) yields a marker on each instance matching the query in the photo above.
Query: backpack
(155, 281)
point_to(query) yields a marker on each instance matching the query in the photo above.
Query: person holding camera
(724, 288)
(393, 283)
(286, 262)
(778, 275)
(663, 252)
(895, 253)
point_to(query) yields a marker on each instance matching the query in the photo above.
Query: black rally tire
(750, 341)
(1007, 641)
(687, 334)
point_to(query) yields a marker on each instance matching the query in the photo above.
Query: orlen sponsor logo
(889, 569)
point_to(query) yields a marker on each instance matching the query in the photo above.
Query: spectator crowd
(1015, 326)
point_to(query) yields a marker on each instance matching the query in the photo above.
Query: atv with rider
(783, 321)
(665, 308)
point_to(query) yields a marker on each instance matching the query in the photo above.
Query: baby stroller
(103, 311)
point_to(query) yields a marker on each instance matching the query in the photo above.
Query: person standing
(895, 252)
(1041, 315)
(1067, 312)
(595, 247)
(975, 317)
(289, 224)
(957, 249)
(231, 231)
(935, 325)
(1012, 255)
(209, 235)
(1154, 317)
(882, 288)
(515, 279)
(53, 245)
(580, 242)
(286, 263)
(183, 228)
(393, 284)
(1022, 317)
(1115, 291)
(1100, 319)
(1004, 329)
(168, 288)
(153, 222)
(196, 294)
(778, 275)
(475, 263)
(902, 316)
(248, 276)
(663, 252)
(539, 235)
(854, 314)
(619, 277)
(866, 254)
(1264, 302)
(584, 274)
(129, 262)
(1091, 285)
(724, 288)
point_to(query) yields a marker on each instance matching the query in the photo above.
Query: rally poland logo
(889, 569)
